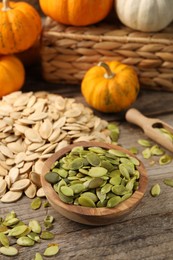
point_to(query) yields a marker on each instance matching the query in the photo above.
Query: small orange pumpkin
(110, 86)
(20, 26)
(12, 74)
(76, 12)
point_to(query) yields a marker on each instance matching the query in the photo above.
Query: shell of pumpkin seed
(31, 190)
(8, 251)
(20, 185)
(11, 196)
(3, 187)
(40, 192)
(51, 250)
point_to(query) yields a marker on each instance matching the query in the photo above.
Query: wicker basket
(68, 52)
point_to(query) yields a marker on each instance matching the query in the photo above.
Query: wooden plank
(146, 233)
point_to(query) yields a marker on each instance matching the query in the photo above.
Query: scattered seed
(144, 142)
(168, 182)
(155, 190)
(36, 203)
(51, 250)
(25, 241)
(8, 251)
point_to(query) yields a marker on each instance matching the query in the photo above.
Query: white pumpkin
(145, 15)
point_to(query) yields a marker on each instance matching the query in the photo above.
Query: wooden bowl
(87, 215)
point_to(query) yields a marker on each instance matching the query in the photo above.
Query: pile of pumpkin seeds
(94, 177)
(33, 126)
(11, 227)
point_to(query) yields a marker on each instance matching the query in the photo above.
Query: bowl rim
(124, 206)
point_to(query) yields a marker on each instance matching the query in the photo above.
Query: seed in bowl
(94, 177)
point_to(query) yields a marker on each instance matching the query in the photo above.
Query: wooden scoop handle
(135, 117)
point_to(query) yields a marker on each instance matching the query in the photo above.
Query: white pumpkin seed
(11, 196)
(31, 190)
(20, 185)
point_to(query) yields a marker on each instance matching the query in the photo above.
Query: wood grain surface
(146, 233)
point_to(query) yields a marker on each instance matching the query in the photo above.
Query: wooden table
(146, 233)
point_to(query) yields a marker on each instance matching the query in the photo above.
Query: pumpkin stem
(109, 74)
(5, 4)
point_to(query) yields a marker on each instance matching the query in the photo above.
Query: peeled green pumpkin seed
(46, 235)
(51, 250)
(93, 159)
(112, 202)
(95, 183)
(76, 164)
(18, 230)
(168, 182)
(144, 142)
(4, 240)
(52, 177)
(25, 241)
(10, 222)
(67, 191)
(97, 171)
(38, 256)
(66, 199)
(86, 201)
(61, 172)
(117, 153)
(106, 188)
(146, 153)
(34, 236)
(124, 171)
(90, 195)
(36, 203)
(119, 190)
(35, 226)
(165, 159)
(156, 150)
(8, 251)
(155, 190)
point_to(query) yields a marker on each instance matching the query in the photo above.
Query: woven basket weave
(68, 52)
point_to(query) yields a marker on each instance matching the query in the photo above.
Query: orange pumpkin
(76, 12)
(20, 26)
(12, 74)
(110, 86)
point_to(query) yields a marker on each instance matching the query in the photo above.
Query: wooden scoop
(149, 126)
